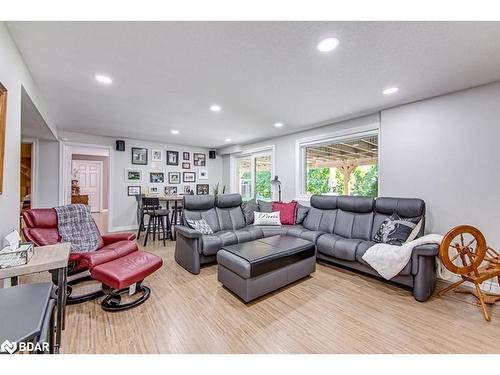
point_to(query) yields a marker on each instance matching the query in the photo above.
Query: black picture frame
(133, 187)
(185, 155)
(157, 177)
(139, 156)
(191, 178)
(199, 159)
(202, 189)
(172, 157)
(172, 180)
(171, 190)
(186, 165)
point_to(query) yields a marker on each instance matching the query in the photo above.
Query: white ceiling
(167, 74)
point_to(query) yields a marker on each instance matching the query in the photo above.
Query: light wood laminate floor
(333, 311)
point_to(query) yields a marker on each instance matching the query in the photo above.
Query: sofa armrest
(426, 250)
(115, 237)
(187, 232)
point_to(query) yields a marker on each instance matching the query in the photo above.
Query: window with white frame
(254, 173)
(346, 165)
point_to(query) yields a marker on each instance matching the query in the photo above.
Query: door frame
(63, 161)
(34, 169)
(101, 164)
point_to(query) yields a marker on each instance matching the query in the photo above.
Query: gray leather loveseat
(342, 228)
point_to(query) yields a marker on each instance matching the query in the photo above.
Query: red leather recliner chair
(41, 229)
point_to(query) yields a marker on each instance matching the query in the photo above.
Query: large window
(254, 176)
(342, 167)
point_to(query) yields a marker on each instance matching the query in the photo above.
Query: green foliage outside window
(263, 185)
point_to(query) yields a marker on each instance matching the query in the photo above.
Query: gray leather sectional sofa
(342, 228)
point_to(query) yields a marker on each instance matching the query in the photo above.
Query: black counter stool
(158, 218)
(140, 214)
(177, 216)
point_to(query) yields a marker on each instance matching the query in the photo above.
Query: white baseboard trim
(490, 286)
(123, 228)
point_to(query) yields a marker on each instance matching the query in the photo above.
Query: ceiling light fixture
(228, 139)
(390, 90)
(215, 108)
(103, 79)
(174, 131)
(278, 125)
(328, 44)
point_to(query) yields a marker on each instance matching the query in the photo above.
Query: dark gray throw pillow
(395, 230)
(302, 212)
(248, 209)
(265, 206)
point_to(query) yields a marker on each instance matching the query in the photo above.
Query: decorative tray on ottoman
(18, 257)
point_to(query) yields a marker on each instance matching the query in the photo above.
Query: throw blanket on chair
(389, 260)
(75, 225)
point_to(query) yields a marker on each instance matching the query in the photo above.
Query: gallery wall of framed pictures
(167, 172)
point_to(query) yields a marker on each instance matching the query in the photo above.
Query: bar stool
(140, 214)
(157, 215)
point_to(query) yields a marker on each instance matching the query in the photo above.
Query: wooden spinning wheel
(464, 252)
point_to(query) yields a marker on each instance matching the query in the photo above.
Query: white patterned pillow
(200, 226)
(266, 218)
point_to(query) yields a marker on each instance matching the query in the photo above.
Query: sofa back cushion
(249, 208)
(408, 208)
(322, 214)
(229, 211)
(197, 207)
(354, 217)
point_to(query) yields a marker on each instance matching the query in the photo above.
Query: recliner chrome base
(112, 302)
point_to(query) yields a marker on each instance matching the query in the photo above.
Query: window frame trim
(341, 135)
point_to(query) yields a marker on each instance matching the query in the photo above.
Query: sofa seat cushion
(255, 232)
(210, 244)
(271, 230)
(326, 243)
(294, 230)
(227, 237)
(311, 235)
(243, 235)
(340, 247)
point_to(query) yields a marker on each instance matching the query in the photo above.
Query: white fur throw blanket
(389, 260)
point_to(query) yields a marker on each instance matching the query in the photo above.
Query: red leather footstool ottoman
(118, 275)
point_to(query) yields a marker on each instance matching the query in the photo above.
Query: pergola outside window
(347, 167)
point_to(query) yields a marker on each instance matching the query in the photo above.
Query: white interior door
(89, 175)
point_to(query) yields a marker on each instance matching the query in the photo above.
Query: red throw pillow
(287, 211)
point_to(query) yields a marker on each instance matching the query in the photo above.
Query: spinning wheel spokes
(468, 257)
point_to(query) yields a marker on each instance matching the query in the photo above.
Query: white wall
(14, 75)
(445, 150)
(122, 207)
(285, 151)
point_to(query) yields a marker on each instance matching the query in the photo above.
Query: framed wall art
(172, 157)
(139, 156)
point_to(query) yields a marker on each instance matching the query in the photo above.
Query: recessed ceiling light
(328, 44)
(103, 79)
(215, 108)
(228, 139)
(174, 131)
(278, 125)
(390, 90)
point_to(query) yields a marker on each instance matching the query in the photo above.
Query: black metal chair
(158, 219)
(140, 214)
(177, 216)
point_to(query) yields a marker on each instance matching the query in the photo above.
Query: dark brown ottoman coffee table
(255, 268)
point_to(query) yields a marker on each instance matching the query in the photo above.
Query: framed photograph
(174, 177)
(170, 190)
(133, 175)
(188, 177)
(202, 189)
(202, 174)
(139, 156)
(187, 189)
(199, 159)
(185, 156)
(172, 157)
(156, 177)
(156, 155)
(154, 190)
(186, 165)
(3, 125)
(133, 190)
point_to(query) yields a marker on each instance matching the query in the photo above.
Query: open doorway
(26, 177)
(88, 180)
